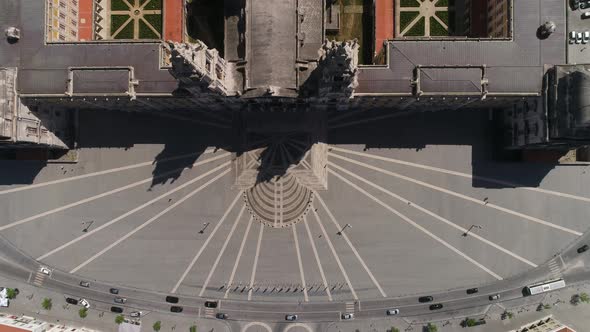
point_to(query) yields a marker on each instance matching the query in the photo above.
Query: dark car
(221, 315)
(116, 309)
(472, 290)
(114, 291)
(171, 299)
(575, 4)
(423, 299)
(582, 249)
(71, 301)
(175, 308)
(436, 306)
(210, 304)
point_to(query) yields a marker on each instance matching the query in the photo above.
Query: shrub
(119, 319)
(431, 328)
(193, 329)
(157, 326)
(83, 312)
(393, 329)
(46, 304)
(11, 293)
(584, 297)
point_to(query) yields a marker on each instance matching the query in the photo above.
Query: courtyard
(424, 18)
(136, 19)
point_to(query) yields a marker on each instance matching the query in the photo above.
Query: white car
(347, 316)
(84, 303)
(136, 314)
(586, 37)
(579, 37)
(572, 38)
(291, 317)
(586, 14)
(391, 312)
(45, 270)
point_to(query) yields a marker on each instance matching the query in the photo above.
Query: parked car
(175, 308)
(84, 303)
(84, 284)
(71, 301)
(116, 310)
(494, 297)
(472, 290)
(578, 37)
(210, 304)
(45, 270)
(586, 37)
(582, 249)
(291, 317)
(221, 315)
(114, 291)
(171, 299)
(391, 312)
(423, 299)
(575, 4)
(584, 5)
(121, 300)
(572, 36)
(435, 306)
(347, 316)
(585, 15)
(136, 314)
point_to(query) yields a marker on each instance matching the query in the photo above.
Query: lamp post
(470, 228)
(205, 224)
(343, 228)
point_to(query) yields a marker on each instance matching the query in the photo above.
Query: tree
(119, 319)
(431, 328)
(584, 297)
(193, 328)
(509, 314)
(394, 329)
(157, 326)
(46, 304)
(11, 293)
(470, 322)
(546, 306)
(83, 312)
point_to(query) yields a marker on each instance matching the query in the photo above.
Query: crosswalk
(209, 313)
(555, 268)
(349, 307)
(39, 278)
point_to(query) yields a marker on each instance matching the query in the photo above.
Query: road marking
(555, 268)
(209, 313)
(192, 263)
(358, 256)
(108, 171)
(253, 275)
(305, 297)
(233, 271)
(453, 193)
(140, 227)
(317, 219)
(317, 258)
(128, 213)
(39, 278)
(229, 235)
(349, 307)
(465, 175)
(110, 192)
(411, 222)
(434, 215)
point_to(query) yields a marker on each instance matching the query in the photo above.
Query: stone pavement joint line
(300, 264)
(465, 197)
(317, 258)
(233, 271)
(145, 224)
(411, 222)
(434, 215)
(255, 265)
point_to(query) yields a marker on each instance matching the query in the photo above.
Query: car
(391, 312)
(586, 15)
(175, 308)
(84, 303)
(494, 297)
(116, 310)
(435, 306)
(71, 301)
(121, 300)
(84, 284)
(135, 314)
(210, 304)
(472, 290)
(423, 299)
(171, 299)
(347, 316)
(221, 315)
(582, 249)
(572, 38)
(114, 291)
(586, 37)
(45, 270)
(578, 37)
(575, 4)
(291, 317)
(584, 5)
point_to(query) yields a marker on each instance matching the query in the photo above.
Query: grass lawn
(155, 20)
(405, 18)
(145, 32)
(417, 30)
(436, 29)
(408, 3)
(119, 5)
(117, 21)
(126, 33)
(153, 5)
(442, 3)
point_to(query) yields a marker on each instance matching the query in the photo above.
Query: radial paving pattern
(391, 221)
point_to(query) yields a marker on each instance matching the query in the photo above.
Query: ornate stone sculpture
(339, 69)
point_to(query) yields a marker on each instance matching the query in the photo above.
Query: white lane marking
(301, 273)
(453, 193)
(317, 258)
(358, 256)
(110, 192)
(229, 235)
(465, 175)
(126, 214)
(434, 215)
(253, 275)
(317, 219)
(137, 229)
(198, 254)
(233, 271)
(107, 171)
(411, 222)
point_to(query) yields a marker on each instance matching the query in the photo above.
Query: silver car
(392, 312)
(291, 317)
(121, 300)
(347, 316)
(135, 314)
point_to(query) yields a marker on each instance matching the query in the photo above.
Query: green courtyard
(424, 18)
(136, 19)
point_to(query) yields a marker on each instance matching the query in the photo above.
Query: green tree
(46, 304)
(193, 328)
(509, 314)
(119, 319)
(394, 329)
(546, 306)
(157, 326)
(83, 312)
(431, 328)
(584, 297)
(11, 293)
(470, 322)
